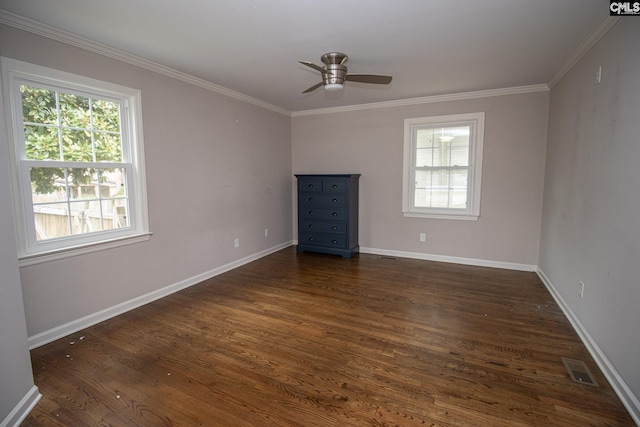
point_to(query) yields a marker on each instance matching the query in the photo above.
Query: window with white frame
(443, 166)
(77, 160)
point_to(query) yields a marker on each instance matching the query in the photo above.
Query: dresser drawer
(323, 200)
(323, 214)
(311, 185)
(334, 185)
(323, 227)
(323, 240)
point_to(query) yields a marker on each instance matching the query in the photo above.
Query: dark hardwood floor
(316, 340)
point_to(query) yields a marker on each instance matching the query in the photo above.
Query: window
(77, 160)
(443, 166)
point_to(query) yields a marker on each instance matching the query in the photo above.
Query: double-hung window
(443, 166)
(76, 161)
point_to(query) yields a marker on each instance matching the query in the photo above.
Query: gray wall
(591, 216)
(370, 142)
(15, 365)
(217, 169)
(220, 169)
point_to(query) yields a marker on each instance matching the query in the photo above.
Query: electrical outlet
(581, 289)
(236, 243)
(423, 237)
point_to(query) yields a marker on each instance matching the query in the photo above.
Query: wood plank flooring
(316, 340)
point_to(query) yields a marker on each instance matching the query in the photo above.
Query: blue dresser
(328, 214)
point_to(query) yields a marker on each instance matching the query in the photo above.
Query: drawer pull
(334, 241)
(334, 213)
(311, 239)
(311, 212)
(334, 228)
(311, 199)
(334, 186)
(334, 200)
(310, 225)
(310, 185)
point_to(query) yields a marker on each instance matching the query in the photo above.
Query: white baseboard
(450, 259)
(629, 400)
(100, 316)
(625, 394)
(22, 409)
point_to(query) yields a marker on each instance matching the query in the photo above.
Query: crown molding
(102, 49)
(427, 100)
(53, 33)
(580, 51)
(583, 48)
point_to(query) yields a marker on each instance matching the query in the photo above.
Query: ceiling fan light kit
(334, 73)
(333, 86)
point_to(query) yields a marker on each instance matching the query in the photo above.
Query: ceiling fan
(334, 73)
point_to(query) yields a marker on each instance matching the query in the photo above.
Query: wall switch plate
(581, 289)
(599, 74)
(266, 232)
(236, 243)
(423, 237)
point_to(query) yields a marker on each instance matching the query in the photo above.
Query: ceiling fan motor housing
(335, 74)
(334, 58)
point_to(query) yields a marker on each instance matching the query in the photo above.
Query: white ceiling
(252, 46)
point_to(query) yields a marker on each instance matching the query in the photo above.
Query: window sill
(458, 217)
(57, 254)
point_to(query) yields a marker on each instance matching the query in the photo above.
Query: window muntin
(442, 166)
(78, 169)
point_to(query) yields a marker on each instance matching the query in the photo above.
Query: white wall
(591, 217)
(217, 169)
(16, 379)
(370, 142)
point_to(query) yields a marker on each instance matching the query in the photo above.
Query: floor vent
(579, 372)
(387, 257)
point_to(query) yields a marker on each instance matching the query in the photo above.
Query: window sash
(30, 205)
(441, 153)
(96, 94)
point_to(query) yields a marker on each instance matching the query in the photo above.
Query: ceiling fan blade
(369, 78)
(314, 66)
(314, 87)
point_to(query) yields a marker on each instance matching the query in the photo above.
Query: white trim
(444, 258)
(469, 217)
(92, 319)
(629, 400)
(427, 100)
(450, 259)
(617, 383)
(53, 33)
(138, 159)
(583, 48)
(475, 122)
(22, 409)
(104, 50)
(81, 250)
